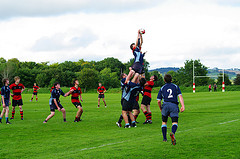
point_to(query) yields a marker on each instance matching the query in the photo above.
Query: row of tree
(90, 73)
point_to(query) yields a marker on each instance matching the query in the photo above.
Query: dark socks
(174, 128)
(164, 132)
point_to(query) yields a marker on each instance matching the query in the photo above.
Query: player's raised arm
(182, 103)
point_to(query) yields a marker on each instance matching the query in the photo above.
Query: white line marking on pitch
(229, 121)
(90, 148)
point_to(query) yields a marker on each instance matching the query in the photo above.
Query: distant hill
(164, 70)
(211, 72)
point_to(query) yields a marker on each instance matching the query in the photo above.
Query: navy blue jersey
(122, 84)
(130, 91)
(169, 93)
(5, 91)
(56, 94)
(138, 56)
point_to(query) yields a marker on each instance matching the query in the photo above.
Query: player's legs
(132, 119)
(79, 114)
(49, 116)
(98, 102)
(136, 113)
(32, 97)
(21, 111)
(36, 97)
(119, 122)
(13, 111)
(3, 111)
(149, 115)
(104, 102)
(6, 115)
(64, 114)
(164, 127)
(125, 117)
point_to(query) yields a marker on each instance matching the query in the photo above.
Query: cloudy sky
(69, 30)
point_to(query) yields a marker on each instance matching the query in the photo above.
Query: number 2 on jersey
(170, 93)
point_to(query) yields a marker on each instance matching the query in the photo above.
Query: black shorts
(101, 96)
(34, 93)
(136, 105)
(17, 102)
(126, 105)
(53, 107)
(146, 100)
(76, 104)
(137, 67)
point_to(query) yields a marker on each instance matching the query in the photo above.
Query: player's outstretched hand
(182, 109)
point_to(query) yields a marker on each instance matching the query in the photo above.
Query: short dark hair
(142, 82)
(74, 81)
(131, 46)
(155, 77)
(5, 80)
(121, 76)
(168, 78)
(56, 83)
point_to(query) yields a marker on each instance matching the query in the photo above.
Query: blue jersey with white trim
(55, 95)
(5, 92)
(138, 56)
(169, 93)
(122, 84)
(130, 91)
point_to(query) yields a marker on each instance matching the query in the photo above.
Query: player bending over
(146, 100)
(17, 89)
(35, 90)
(137, 66)
(54, 102)
(5, 94)
(169, 94)
(76, 93)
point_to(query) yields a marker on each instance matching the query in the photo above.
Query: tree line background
(90, 73)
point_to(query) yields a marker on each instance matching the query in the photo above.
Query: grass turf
(209, 128)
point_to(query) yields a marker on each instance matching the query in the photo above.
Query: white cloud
(175, 31)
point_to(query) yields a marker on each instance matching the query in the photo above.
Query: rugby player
(35, 90)
(146, 100)
(101, 90)
(17, 89)
(5, 94)
(169, 94)
(76, 93)
(54, 102)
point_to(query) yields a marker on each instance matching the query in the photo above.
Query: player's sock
(129, 119)
(31, 99)
(120, 119)
(13, 113)
(76, 118)
(164, 132)
(21, 113)
(174, 128)
(150, 115)
(36, 99)
(146, 114)
(7, 119)
(0, 119)
(64, 119)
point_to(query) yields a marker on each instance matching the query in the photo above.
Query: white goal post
(223, 83)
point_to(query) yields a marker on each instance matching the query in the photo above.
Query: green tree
(226, 79)
(174, 77)
(237, 80)
(88, 78)
(185, 74)
(109, 79)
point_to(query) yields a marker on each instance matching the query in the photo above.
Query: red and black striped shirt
(17, 90)
(101, 89)
(148, 89)
(75, 94)
(35, 89)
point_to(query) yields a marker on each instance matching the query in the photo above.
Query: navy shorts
(171, 109)
(17, 102)
(6, 102)
(53, 107)
(101, 96)
(136, 105)
(146, 100)
(137, 67)
(34, 93)
(76, 104)
(126, 105)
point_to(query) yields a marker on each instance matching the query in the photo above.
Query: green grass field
(209, 128)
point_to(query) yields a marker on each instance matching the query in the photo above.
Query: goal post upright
(193, 79)
(223, 83)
